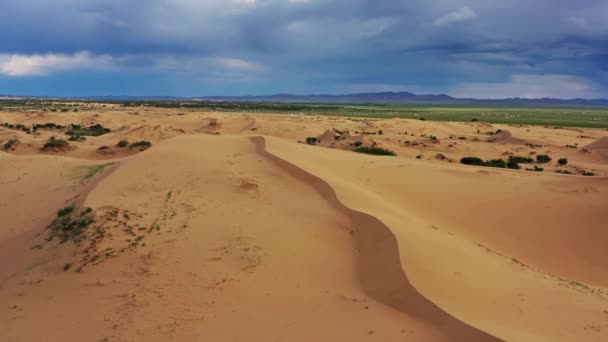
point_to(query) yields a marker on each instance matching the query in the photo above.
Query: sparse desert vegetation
(379, 151)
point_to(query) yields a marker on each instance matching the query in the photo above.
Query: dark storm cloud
(263, 46)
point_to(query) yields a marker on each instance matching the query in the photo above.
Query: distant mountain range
(382, 98)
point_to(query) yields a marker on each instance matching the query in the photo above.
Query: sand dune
(229, 229)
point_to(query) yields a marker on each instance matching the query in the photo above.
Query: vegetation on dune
(9, 144)
(520, 159)
(311, 140)
(93, 130)
(78, 138)
(543, 158)
(375, 150)
(55, 143)
(92, 171)
(141, 144)
(47, 126)
(18, 127)
(123, 144)
(65, 210)
(562, 161)
(499, 163)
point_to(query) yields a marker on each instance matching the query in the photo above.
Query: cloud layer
(479, 48)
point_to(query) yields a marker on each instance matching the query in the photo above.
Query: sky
(464, 48)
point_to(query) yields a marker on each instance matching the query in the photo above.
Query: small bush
(520, 159)
(65, 210)
(380, 132)
(588, 173)
(358, 143)
(543, 158)
(566, 172)
(94, 130)
(512, 164)
(54, 142)
(375, 150)
(474, 120)
(311, 140)
(79, 138)
(122, 144)
(501, 163)
(141, 144)
(9, 144)
(562, 161)
(472, 161)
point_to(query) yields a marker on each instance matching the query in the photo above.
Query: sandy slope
(210, 236)
(412, 200)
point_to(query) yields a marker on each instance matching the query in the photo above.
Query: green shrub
(587, 173)
(520, 159)
(77, 138)
(472, 161)
(122, 144)
(501, 163)
(65, 210)
(375, 150)
(358, 143)
(543, 158)
(512, 164)
(94, 130)
(474, 120)
(9, 144)
(311, 140)
(562, 161)
(566, 172)
(141, 144)
(54, 142)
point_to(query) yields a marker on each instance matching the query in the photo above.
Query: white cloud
(531, 86)
(19, 65)
(236, 64)
(459, 16)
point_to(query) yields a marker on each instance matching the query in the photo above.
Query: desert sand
(230, 227)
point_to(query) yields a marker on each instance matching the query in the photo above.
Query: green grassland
(589, 117)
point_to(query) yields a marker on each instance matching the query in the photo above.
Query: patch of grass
(375, 150)
(91, 171)
(565, 172)
(65, 210)
(123, 144)
(94, 130)
(141, 144)
(55, 143)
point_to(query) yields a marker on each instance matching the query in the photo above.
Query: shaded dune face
(378, 263)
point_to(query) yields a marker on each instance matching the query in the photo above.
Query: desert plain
(155, 224)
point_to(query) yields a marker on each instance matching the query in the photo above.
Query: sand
(230, 227)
